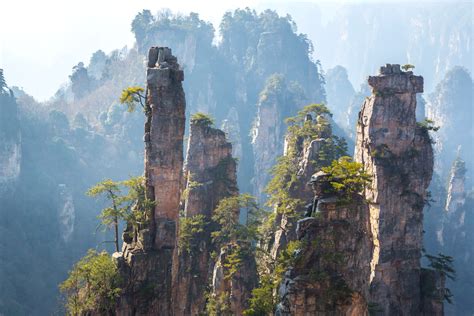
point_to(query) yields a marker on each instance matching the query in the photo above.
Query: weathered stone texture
(209, 163)
(432, 292)
(147, 264)
(332, 268)
(398, 154)
(308, 151)
(237, 288)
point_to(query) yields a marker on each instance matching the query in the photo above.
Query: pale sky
(40, 41)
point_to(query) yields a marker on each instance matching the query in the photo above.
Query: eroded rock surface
(211, 176)
(147, 263)
(332, 268)
(398, 154)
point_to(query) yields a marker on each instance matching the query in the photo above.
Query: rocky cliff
(210, 171)
(10, 138)
(332, 269)
(276, 101)
(450, 107)
(398, 154)
(147, 263)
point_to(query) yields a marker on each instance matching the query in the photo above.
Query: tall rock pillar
(164, 132)
(147, 262)
(211, 176)
(398, 154)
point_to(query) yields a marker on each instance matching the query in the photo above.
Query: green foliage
(301, 131)
(407, 67)
(202, 119)
(191, 231)
(226, 215)
(110, 215)
(132, 96)
(347, 177)
(93, 284)
(236, 254)
(139, 208)
(262, 301)
(444, 265)
(428, 125)
(218, 305)
(134, 207)
(191, 185)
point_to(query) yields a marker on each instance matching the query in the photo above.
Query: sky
(40, 41)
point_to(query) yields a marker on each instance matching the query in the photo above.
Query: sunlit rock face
(397, 152)
(210, 171)
(66, 213)
(10, 140)
(147, 261)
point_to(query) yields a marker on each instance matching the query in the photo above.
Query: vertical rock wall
(211, 175)
(331, 272)
(147, 264)
(398, 154)
(10, 140)
(164, 134)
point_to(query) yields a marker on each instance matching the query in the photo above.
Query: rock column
(398, 154)
(147, 264)
(211, 176)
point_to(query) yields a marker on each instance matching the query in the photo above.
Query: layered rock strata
(398, 154)
(331, 272)
(146, 264)
(211, 176)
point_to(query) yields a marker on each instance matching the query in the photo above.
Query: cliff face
(10, 139)
(232, 290)
(276, 101)
(398, 154)
(332, 268)
(339, 93)
(211, 175)
(456, 188)
(147, 263)
(308, 152)
(450, 107)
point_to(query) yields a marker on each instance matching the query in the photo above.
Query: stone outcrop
(339, 93)
(331, 272)
(456, 187)
(398, 154)
(10, 139)
(147, 263)
(308, 151)
(450, 107)
(432, 292)
(269, 129)
(232, 291)
(211, 176)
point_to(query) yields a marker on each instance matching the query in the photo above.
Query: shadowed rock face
(147, 263)
(332, 270)
(10, 140)
(398, 154)
(210, 166)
